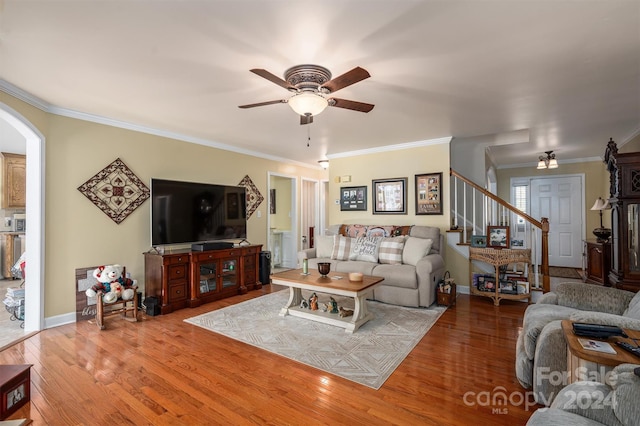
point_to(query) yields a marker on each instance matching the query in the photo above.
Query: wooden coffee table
(587, 362)
(336, 283)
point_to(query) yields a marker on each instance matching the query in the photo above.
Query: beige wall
(282, 219)
(393, 164)
(79, 235)
(596, 185)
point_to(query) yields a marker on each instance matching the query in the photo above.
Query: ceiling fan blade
(281, 101)
(347, 79)
(353, 105)
(306, 119)
(273, 78)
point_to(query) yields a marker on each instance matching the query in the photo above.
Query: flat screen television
(189, 212)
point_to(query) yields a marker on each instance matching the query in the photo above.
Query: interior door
(309, 210)
(561, 199)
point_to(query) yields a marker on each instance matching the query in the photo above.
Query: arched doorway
(34, 284)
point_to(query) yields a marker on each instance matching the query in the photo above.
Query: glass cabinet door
(633, 239)
(208, 277)
(229, 276)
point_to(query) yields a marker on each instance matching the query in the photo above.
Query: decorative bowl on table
(355, 276)
(324, 268)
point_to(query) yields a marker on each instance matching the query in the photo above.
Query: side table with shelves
(500, 259)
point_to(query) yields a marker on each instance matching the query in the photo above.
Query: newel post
(546, 282)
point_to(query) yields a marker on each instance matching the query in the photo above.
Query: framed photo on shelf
(353, 198)
(498, 237)
(508, 287)
(478, 241)
(486, 283)
(429, 193)
(390, 196)
(517, 243)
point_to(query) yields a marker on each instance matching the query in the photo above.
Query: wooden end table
(585, 364)
(336, 283)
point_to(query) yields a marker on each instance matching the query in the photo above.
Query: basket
(446, 291)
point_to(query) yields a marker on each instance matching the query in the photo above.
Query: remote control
(630, 348)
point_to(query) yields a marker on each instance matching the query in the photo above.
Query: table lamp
(601, 233)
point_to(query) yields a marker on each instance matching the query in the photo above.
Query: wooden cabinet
(624, 172)
(14, 182)
(598, 261)
(214, 275)
(166, 277)
(186, 278)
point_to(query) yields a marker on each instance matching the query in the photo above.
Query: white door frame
(34, 285)
(293, 245)
(303, 197)
(528, 179)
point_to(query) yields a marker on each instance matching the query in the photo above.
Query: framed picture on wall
(353, 198)
(429, 193)
(390, 196)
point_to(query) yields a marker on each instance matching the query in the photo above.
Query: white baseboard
(59, 320)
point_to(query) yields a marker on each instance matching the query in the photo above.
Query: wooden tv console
(185, 278)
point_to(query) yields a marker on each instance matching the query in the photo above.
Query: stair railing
(480, 208)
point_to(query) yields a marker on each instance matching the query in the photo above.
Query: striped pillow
(390, 251)
(341, 248)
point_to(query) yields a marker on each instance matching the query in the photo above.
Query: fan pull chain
(308, 135)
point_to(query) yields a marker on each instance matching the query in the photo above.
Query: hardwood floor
(165, 371)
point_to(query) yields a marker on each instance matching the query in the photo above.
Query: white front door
(561, 199)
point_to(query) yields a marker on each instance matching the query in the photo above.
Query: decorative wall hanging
(254, 197)
(353, 198)
(115, 190)
(390, 196)
(428, 193)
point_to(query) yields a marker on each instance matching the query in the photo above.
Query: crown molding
(387, 148)
(535, 164)
(20, 94)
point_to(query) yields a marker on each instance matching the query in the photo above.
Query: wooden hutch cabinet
(185, 278)
(624, 172)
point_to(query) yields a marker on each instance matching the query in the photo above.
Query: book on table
(595, 345)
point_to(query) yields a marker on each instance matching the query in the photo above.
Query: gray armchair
(593, 403)
(541, 350)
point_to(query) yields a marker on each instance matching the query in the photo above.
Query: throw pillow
(354, 231)
(391, 250)
(415, 249)
(379, 231)
(324, 245)
(365, 249)
(341, 248)
(633, 311)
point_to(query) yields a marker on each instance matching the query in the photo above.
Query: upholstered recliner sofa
(541, 350)
(594, 403)
(409, 258)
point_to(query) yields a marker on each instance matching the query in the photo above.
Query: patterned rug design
(368, 356)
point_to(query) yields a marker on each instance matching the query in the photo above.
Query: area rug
(368, 356)
(556, 271)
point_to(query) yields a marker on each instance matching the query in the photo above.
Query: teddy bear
(112, 284)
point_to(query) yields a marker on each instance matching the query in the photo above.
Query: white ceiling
(568, 71)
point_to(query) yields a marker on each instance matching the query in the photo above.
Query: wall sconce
(601, 233)
(548, 162)
(324, 164)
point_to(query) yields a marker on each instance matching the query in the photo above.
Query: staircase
(473, 208)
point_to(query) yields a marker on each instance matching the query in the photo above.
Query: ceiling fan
(311, 85)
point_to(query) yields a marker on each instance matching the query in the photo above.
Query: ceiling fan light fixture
(324, 164)
(308, 103)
